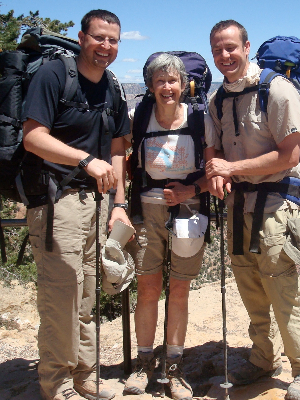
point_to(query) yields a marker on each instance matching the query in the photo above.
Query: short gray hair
(166, 62)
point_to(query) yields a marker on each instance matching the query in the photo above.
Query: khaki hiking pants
(269, 281)
(66, 291)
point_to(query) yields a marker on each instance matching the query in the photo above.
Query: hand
(119, 213)
(103, 173)
(176, 192)
(218, 166)
(216, 186)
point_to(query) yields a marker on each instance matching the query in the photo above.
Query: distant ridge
(134, 89)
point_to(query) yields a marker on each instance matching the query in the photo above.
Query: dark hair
(101, 14)
(220, 26)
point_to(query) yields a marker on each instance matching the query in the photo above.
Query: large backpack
(17, 68)
(277, 56)
(195, 96)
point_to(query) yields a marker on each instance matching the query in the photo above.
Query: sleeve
(131, 118)
(44, 92)
(283, 109)
(216, 123)
(210, 131)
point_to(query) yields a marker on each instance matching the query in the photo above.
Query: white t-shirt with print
(169, 156)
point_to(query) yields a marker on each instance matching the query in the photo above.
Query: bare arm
(119, 165)
(37, 140)
(285, 157)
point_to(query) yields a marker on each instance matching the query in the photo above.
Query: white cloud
(135, 71)
(129, 60)
(133, 35)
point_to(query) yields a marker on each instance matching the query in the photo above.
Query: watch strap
(121, 205)
(197, 188)
(83, 163)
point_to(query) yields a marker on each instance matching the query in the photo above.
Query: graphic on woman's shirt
(170, 153)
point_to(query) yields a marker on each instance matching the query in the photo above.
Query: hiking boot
(293, 392)
(138, 380)
(88, 389)
(179, 387)
(249, 373)
(64, 395)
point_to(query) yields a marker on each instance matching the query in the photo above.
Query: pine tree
(11, 27)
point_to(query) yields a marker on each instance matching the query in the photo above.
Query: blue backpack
(282, 55)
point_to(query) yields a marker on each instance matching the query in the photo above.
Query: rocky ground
(203, 353)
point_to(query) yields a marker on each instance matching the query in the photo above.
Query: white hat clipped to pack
(118, 265)
(189, 234)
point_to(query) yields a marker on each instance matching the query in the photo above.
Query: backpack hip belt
(284, 188)
(137, 188)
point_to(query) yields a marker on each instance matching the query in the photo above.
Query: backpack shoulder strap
(71, 77)
(116, 90)
(141, 120)
(195, 120)
(266, 78)
(219, 101)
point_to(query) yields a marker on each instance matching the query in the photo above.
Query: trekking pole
(226, 385)
(98, 198)
(164, 378)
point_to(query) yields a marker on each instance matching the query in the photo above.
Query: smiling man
(58, 138)
(260, 149)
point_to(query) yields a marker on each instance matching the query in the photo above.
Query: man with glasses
(60, 138)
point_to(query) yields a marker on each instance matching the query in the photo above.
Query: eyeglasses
(101, 39)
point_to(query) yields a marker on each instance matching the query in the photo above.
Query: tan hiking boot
(88, 389)
(179, 387)
(248, 373)
(64, 395)
(138, 380)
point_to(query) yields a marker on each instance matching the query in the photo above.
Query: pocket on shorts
(275, 262)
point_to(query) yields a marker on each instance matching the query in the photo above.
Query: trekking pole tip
(226, 386)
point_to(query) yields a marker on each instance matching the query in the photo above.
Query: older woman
(166, 79)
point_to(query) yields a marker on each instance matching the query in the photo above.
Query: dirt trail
(203, 352)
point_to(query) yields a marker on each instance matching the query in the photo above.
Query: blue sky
(149, 26)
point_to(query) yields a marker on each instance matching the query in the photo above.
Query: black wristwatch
(85, 162)
(197, 189)
(121, 205)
